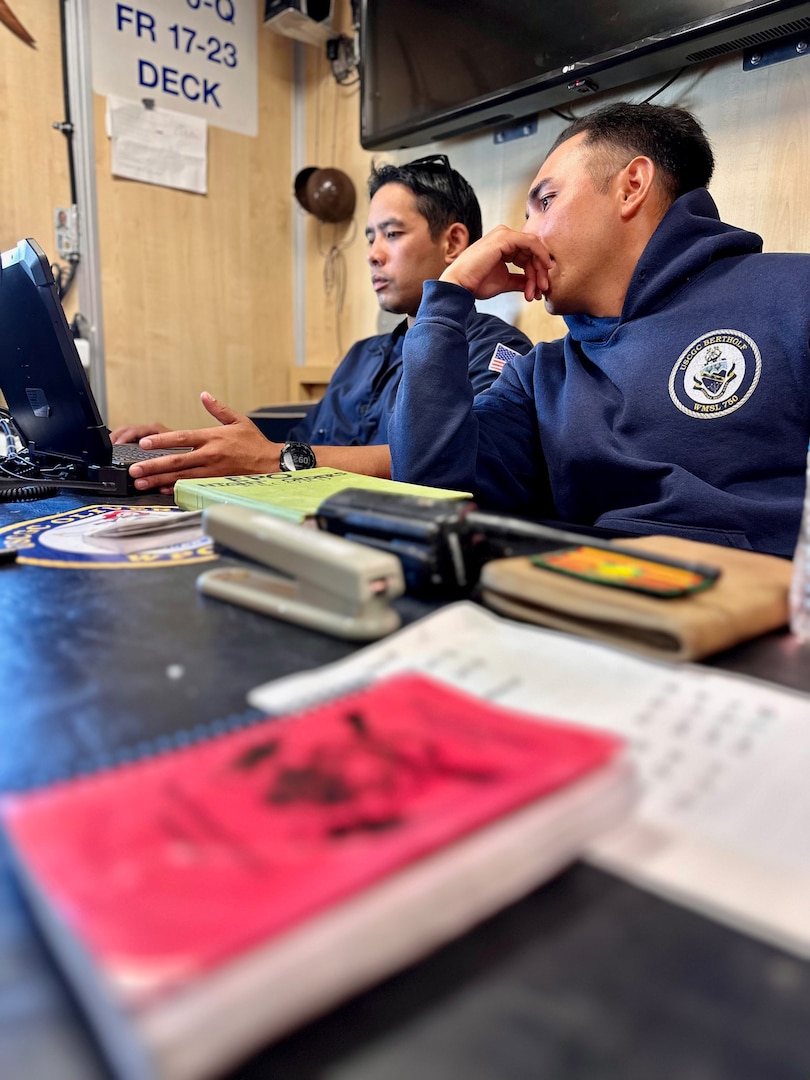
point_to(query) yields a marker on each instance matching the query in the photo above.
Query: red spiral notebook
(205, 900)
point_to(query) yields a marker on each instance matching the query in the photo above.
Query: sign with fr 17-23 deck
(193, 56)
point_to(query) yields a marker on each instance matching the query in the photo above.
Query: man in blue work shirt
(358, 403)
(421, 217)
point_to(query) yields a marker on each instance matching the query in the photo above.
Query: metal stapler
(308, 577)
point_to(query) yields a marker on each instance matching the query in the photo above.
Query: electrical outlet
(66, 229)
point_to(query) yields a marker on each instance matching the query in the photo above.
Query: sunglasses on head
(440, 161)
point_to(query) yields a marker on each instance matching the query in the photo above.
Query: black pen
(8, 555)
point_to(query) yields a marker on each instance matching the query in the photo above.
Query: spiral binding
(168, 742)
(146, 749)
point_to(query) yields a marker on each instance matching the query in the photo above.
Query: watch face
(295, 456)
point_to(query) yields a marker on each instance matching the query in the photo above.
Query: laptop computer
(46, 387)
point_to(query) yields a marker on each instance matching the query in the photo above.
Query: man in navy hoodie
(679, 400)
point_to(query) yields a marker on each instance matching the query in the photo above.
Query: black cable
(62, 277)
(67, 127)
(343, 60)
(12, 491)
(20, 480)
(661, 89)
(644, 101)
(23, 471)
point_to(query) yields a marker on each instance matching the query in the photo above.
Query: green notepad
(294, 495)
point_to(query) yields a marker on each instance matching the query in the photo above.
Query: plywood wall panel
(339, 302)
(34, 172)
(198, 289)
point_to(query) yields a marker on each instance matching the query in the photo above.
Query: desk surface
(587, 977)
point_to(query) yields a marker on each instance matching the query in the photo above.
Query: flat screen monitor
(431, 69)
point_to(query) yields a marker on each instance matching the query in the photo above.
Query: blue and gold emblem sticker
(65, 540)
(715, 375)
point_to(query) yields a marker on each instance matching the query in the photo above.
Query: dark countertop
(586, 978)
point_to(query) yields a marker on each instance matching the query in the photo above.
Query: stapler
(312, 578)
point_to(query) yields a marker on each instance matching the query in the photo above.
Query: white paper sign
(191, 56)
(157, 146)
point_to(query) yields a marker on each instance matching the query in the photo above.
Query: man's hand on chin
(484, 267)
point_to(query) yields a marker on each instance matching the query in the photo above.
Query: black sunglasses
(440, 161)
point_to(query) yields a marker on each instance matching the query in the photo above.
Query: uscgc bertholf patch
(715, 375)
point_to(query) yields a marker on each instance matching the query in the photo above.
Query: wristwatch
(295, 456)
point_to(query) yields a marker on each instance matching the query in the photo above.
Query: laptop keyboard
(127, 453)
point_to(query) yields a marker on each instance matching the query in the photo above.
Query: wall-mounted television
(431, 69)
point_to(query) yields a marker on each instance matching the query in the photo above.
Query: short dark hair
(440, 202)
(668, 135)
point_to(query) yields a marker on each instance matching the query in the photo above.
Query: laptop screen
(41, 375)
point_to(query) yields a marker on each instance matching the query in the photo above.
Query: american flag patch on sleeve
(501, 355)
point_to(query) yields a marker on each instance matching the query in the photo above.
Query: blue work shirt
(360, 397)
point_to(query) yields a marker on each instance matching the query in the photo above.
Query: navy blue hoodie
(689, 414)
